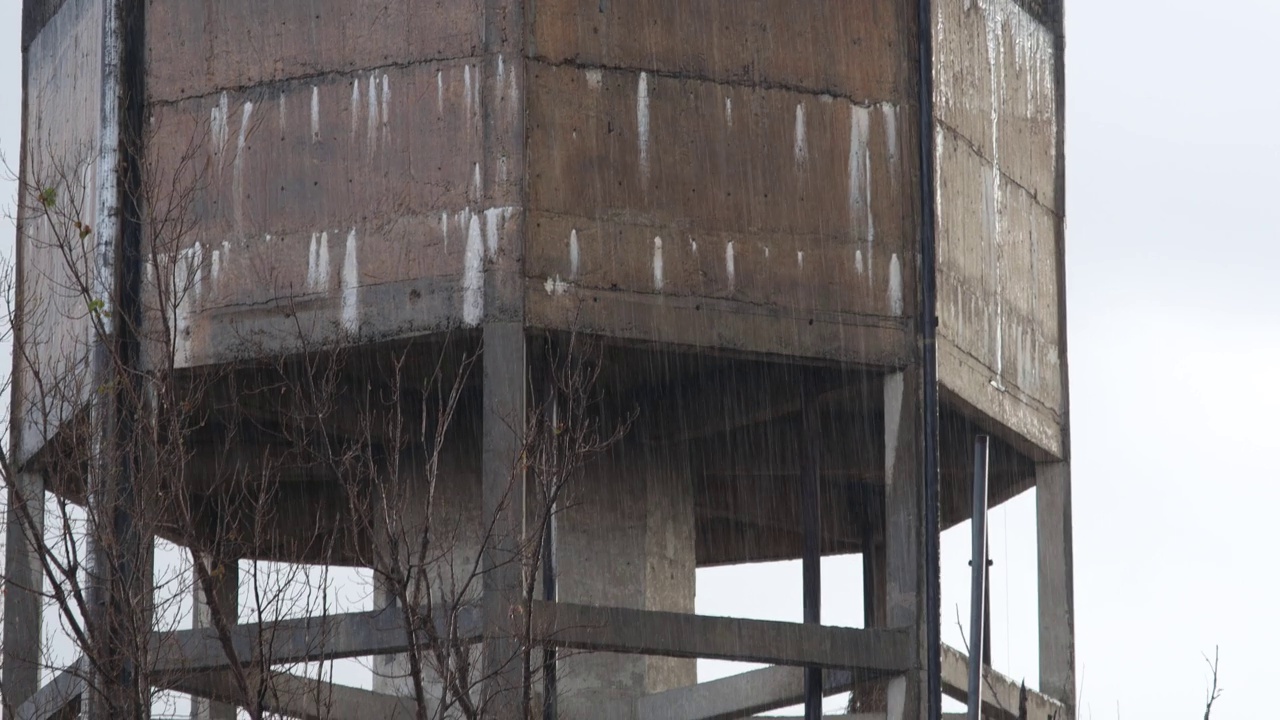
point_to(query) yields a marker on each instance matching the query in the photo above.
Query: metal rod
(977, 599)
(929, 365)
(549, 679)
(986, 610)
(811, 518)
(870, 572)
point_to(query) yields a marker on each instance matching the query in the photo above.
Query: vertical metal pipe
(549, 679)
(977, 599)
(811, 519)
(986, 610)
(928, 329)
(116, 580)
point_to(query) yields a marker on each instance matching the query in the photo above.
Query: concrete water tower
(757, 208)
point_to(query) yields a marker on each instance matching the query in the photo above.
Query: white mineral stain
(237, 178)
(318, 262)
(642, 124)
(860, 181)
(372, 129)
(315, 114)
(473, 275)
(555, 286)
(801, 139)
(729, 269)
(351, 286)
(355, 107)
(218, 125)
(895, 285)
(657, 264)
(386, 108)
(491, 229)
(889, 113)
(573, 254)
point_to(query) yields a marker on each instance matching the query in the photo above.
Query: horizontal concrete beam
(650, 632)
(188, 659)
(1002, 697)
(301, 697)
(854, 716)
(738, 695)
(301, 639)
(50, 700)
(862, 716)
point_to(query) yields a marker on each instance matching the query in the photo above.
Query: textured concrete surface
(724, 174)
(996, 101)
(61, 120)
(350, 172)
(626, 539)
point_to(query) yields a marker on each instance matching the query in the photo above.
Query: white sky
(1174, 336)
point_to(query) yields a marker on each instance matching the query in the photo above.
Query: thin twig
(1214, 692)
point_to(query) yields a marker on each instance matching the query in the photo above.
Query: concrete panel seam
(744, 84)
(964, 140)
(310, 78)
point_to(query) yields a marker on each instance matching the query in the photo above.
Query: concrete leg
(1056, 584)
(23, 583)
(502, 482)
(626, 539)
(904, 526)
(869, 695)
(227, 580)
(456, 531)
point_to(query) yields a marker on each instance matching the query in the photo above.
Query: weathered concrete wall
(998, 296)
(337, 155)
(61, 117)
(755, 192)
(35, 13)
(626, 539)
(724, 173)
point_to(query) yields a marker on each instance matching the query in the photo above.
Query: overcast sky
(1172, 157)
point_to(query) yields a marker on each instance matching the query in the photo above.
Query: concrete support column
(1056, 584)
(456, 532)
(23, 583)
(226, 577)
(626, 539)
(904, 533)
(870, 695)
(502, 489)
